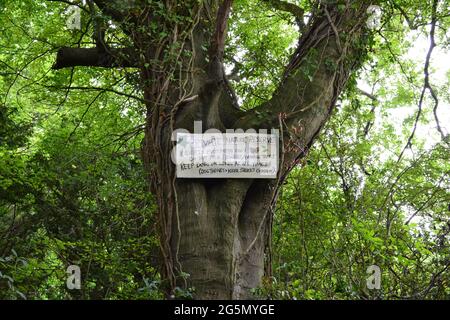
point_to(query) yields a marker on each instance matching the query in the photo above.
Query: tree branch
(291, 8)
(95, 57)
(70, 3)
(426, 86)
(367, 94)
(216, 49)
(314, 78)
(99, 28)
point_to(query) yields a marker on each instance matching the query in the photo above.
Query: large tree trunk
(217, 230)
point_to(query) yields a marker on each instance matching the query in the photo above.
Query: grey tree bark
(218, 230)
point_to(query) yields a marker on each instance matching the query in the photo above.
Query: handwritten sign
(226, 155)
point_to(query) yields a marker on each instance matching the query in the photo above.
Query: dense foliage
(72, 186)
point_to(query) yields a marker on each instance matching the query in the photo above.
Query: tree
(85, 103)
(221, 246)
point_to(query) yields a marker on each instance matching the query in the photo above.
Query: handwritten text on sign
(226, 155)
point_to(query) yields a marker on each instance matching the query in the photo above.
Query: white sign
(226, 155)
